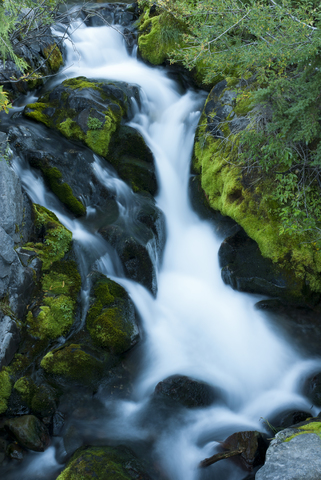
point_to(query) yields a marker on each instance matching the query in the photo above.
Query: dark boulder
(312, 389)
(286, 419)
(29, 432)
(245, 269)
(186, 391)
(133, 254)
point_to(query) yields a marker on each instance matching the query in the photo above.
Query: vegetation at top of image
(269, 50)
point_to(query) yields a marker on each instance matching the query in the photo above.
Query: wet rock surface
(245, 269)
(185, 391)
(253, 445)
(294, 454)
(30, 432)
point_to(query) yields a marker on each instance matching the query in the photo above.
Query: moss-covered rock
(230, 191)
(53, 56)
(74, 364)
(29, 431)
(104, 463)
(92, 112)
(5, 389)
(111, 317)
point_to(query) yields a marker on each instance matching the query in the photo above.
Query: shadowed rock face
(185, 391)
(245, 269)
(30, 432)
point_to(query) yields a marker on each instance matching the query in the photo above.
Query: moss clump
(158, 37)
(313, 427)
(57, 239)
(53, 54)
(5, 389)
(35, 111)
(107, 320)
(72, 362)
(63, 190)
(59, 303)
(98, 139)
(253, 207)
(103, 463)
(26, 387)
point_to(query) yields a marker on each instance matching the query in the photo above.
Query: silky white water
(196, 325)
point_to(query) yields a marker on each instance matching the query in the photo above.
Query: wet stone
(30, 432)
(186, 391)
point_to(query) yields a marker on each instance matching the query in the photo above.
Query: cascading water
(195, 325)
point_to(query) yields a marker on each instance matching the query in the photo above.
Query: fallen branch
(219, 456)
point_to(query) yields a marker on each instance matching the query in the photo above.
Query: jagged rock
(293, 454)
(29, 432)
(186, 391)
(253, 445)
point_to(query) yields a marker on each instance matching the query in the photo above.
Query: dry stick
(219, 456)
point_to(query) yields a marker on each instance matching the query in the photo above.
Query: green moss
(157, 38)
(98, 140)
(63, 190)
(5, 389)
(54, 319)
(102, 463)
(252, 207)
(79, 83)
(313, 427)
(105, 318)
(35, 111)
(26, 387)
(71, 129)
(244, 104)
(57, 239)
(71, 362)
(54, 56)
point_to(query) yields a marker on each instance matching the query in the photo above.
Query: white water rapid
(196, 325)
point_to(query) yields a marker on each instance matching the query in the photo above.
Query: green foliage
(5, 389)
(94, 123)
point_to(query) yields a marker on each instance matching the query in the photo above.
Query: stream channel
(194, 325)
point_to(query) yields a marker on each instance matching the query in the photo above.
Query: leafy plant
(94, 123)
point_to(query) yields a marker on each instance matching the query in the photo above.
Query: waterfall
(195, 325)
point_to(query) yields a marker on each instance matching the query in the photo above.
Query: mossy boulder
(91, 112)
(74, 364)
(29, 432)
(229, 190)
(54, 311)
(111, 316)
(41, 399)
(104, 463)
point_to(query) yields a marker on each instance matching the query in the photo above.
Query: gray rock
(296, 459)
(9, 339)
(15, 208)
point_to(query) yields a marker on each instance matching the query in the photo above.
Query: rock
(246, 270)
(58, 421)
(185, 391)
(72, 439)
(299, 323)
(92, 112)
(287, 419)
(111, 318)
(105, 463)
(29, 432)
(117, 13)
(14, 452)
(133, 254)
(9, 339)
(312, 389)
(294, 454)
(253, 445)
(43, 401)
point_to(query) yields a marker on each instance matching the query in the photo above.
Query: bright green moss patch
(5, 389)
(251, 205)
(35, 111)
(107, 320)
(313, 427)
(54, 319)
(103, 463)
(57, 239)
(63, 190)
(98, 139)
(26, 387)
(72, 362)
(53, 54)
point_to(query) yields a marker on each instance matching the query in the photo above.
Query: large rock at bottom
(291, 457)
(186, 391)
(29, 431)
(245, 269)
(104, 463)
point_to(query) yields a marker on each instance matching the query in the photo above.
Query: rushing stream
(196, 325)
